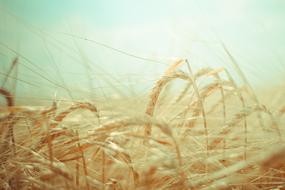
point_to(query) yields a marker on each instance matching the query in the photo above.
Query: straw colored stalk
(248, 87)
(243, 104)
(9, 125)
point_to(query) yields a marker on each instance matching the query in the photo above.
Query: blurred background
(95, 49)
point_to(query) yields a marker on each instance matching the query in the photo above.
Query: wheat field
(209, 133)
(142, 95)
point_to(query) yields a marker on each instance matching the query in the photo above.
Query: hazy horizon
(76, 44)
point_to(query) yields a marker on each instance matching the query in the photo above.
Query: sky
(103, 47)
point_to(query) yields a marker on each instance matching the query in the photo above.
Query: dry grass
(213, 134)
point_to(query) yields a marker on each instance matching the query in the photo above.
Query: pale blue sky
(160, 30)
